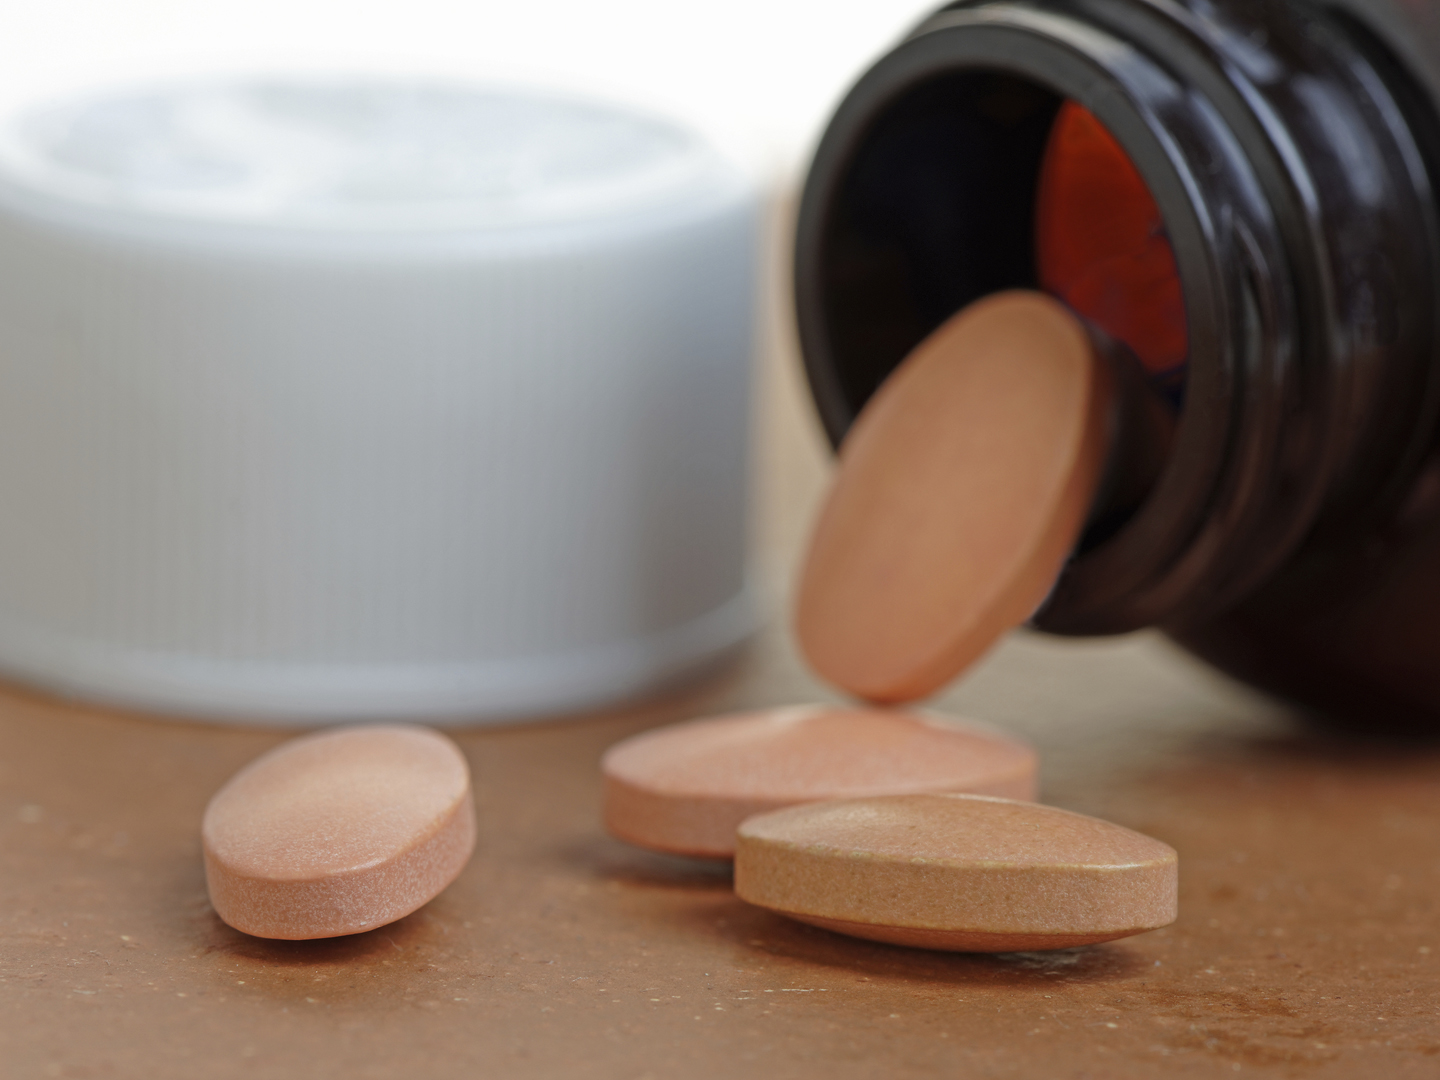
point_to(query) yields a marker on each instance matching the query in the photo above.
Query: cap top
(368, 154)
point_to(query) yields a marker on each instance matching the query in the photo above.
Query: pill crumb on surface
(961, 489)
(339, 832)
(686, 788)
(961, 872)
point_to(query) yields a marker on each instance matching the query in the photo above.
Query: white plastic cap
(334, 400)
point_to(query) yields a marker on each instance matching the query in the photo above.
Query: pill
(962, 872)
(961, 489)
(686, 788)
(1101, 244)
(338, 832)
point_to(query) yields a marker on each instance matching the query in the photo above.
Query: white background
(759, 74)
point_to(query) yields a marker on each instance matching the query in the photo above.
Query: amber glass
(1280, 257)
(1101, 245)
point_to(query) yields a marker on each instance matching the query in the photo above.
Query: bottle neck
(1290, 158)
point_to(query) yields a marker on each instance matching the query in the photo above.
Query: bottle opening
(1270, 309)
(978, 181)
(1101, 246)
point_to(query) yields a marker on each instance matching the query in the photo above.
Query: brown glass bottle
(1281, 517)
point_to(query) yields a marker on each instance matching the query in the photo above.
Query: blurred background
(757, 75)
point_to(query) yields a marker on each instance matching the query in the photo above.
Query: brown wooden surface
(1308, 943)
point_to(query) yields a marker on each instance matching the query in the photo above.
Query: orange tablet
(961, 489)
(957, 872)
(338, 832)
(686, 788)
(1101, 245)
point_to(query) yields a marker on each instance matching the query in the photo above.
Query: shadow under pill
(1297, 761)
(383, 943)
(613, 860)
(776, 935)
(1333, 746)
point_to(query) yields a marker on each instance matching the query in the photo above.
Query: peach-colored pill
(685, 788)
(961, 490)
(339, 832)
(961, 872)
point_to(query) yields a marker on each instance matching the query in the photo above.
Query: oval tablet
(961, 489)
(960, 872)
(338, 832)
(686, 788)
